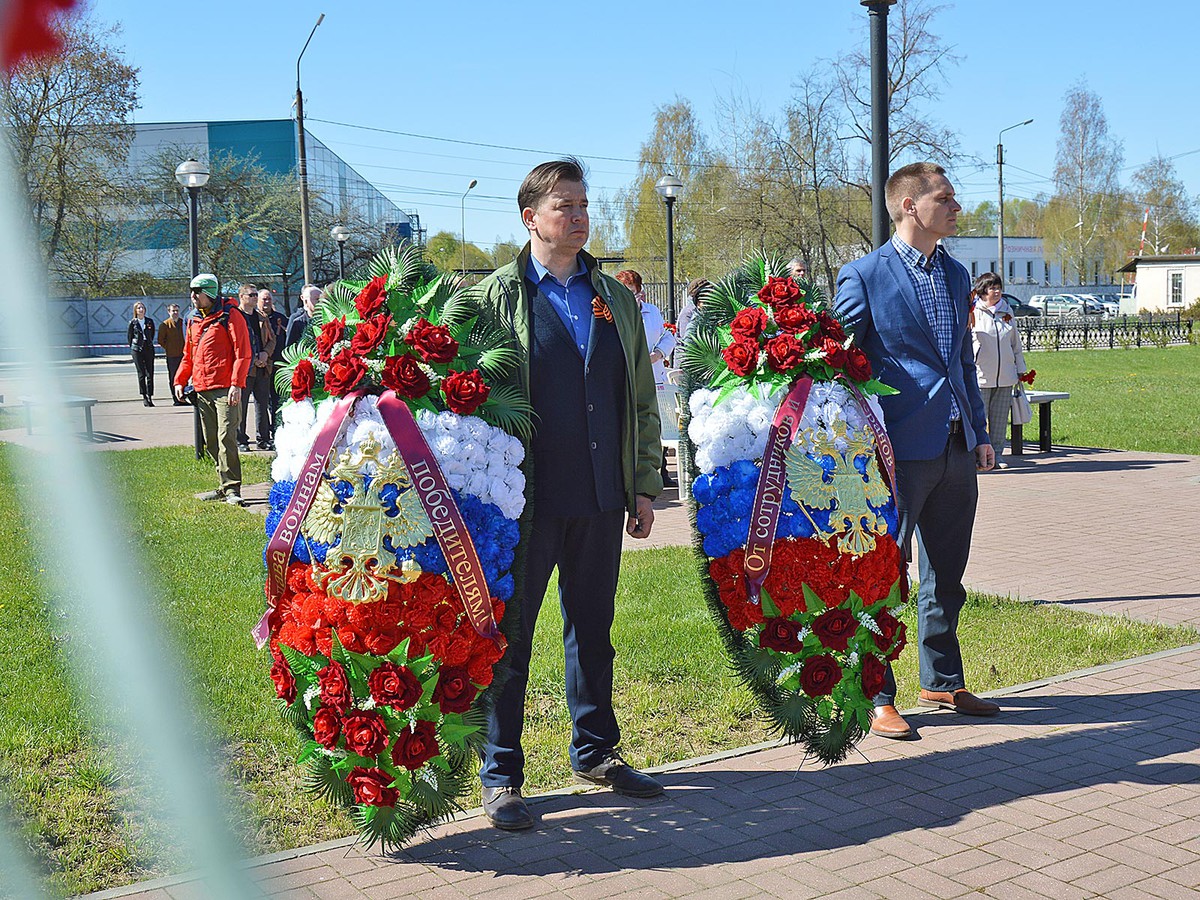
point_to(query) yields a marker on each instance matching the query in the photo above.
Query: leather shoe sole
(887, 723)
(960, 701)
(624, 780)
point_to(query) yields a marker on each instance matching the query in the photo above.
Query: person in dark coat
(140, 336)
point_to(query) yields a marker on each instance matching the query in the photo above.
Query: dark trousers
(172, 367)
(258, 383)
(936, 498)
(587, 552)
(143, 361)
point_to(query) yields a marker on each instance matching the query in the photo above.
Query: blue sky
(586, 78)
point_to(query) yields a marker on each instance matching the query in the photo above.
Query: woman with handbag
(999, 362)
(140, 335)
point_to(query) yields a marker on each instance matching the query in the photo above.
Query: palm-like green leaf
(507, 409)
(291, 356)
(323, 781)
(702, 355)
(497, 363)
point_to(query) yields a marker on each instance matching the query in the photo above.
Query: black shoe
(243, 448)
(617, 774)
(145, 400)
(506, 808)
(149, 402)
(668, 481)
(265, 445)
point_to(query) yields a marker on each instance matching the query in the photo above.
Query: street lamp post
(462, 208)
(670, 189)
(341, 234)
(880, 226)
(302, 161)
(193, 175)
(1000, 173)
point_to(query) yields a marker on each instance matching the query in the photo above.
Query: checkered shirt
(928, 276)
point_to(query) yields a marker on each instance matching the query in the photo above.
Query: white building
(1024, 259)
(1164, 283)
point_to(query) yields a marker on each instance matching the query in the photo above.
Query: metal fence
(1093, 332)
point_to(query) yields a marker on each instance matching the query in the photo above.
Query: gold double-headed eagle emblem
(359, 567)
(845, 491)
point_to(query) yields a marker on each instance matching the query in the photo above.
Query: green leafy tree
(1082, 218)
(1172, 225)
(67, 120)
(445, 251)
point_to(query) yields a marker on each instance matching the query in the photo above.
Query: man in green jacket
(592, 468)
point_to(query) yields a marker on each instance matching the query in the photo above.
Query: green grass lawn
(675, 696)
(1137, 399)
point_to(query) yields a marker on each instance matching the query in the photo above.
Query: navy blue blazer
(877, 302)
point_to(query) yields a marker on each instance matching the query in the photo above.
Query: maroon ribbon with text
(279, 547)
(448, 525)
(768, 498)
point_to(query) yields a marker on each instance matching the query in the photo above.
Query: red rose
(366, 732)
(784, 353)
(335, 688)
(394, 686)
(344, 373)
(454, 691)
(285, 684)
(780, 634)
(819, 675)
(748, 324)
(433, 342)
(370, 334)
(872, 675)
(741, 357)
(331, 332)
(371, 787)
(779, 290)
(303, 379)
(835, 627)
(831, 327)
(858, 366)
(894, 634)
(371, 298)
(327, 727)
(835, 353)
(794, 317)
(465, 391)
(415, 748)
(403, 374)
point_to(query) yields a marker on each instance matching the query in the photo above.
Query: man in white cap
(216, 359)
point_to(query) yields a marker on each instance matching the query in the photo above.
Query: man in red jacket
(216, 358)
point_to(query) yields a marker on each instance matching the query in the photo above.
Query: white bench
(68, 401)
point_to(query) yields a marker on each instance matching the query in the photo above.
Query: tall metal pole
(341, 260)
(880, 223)
(193, 227)
(302, 161)
(1000, 178)
(671, 256)
(462, 209)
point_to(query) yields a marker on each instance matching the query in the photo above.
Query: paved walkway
(1085, 786)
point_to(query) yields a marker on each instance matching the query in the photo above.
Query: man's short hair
(545, 178)
(266, 291)
(247, 288)
(311, 293)
(913, 180)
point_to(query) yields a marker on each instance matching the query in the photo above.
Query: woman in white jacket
(999, 362)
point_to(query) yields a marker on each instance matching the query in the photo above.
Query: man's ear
(527, 215)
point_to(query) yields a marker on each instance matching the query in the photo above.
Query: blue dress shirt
(572, 301)
(928, 278)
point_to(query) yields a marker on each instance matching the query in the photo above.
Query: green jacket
(506, 293)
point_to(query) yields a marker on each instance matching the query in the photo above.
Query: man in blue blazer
(906, 305)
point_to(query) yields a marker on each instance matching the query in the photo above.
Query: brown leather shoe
(961, 701)
(888, 723)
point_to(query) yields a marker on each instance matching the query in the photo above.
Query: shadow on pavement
(712, 817)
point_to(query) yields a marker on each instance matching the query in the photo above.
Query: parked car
(1057, 304)
(1020, 308)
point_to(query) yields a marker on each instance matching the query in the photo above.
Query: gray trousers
(936, 499)
(998, 403)
(219, 420)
